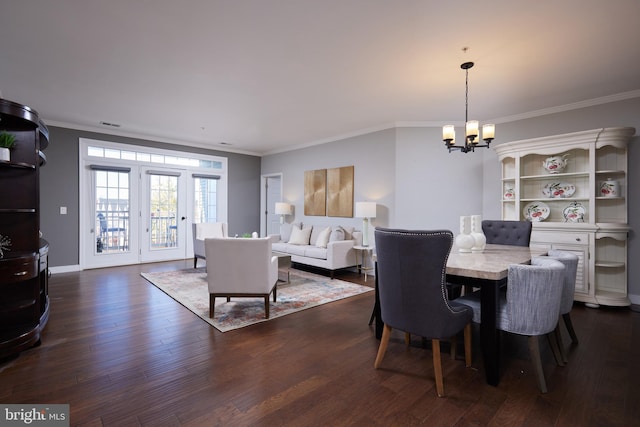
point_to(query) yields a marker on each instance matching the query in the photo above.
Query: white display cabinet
(573, 187)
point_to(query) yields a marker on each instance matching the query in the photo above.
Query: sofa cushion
(279, 247)
(300, 236)
(323, 238)
(315, 252)
(296, 249)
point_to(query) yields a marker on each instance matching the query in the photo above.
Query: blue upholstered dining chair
(570, 261)
(501, 232)
(531, 305)
(411, 272)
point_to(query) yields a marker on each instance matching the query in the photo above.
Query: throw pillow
(285, 230)
(300, 236)
(323, 238)
(337, 234)
(348, 232)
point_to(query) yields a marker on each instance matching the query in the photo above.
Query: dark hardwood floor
(123, 353)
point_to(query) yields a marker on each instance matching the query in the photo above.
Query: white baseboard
(64, 269)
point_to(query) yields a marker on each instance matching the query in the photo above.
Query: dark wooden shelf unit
(24, 299)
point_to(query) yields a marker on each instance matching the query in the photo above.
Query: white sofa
(324, 246)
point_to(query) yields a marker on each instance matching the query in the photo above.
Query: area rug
(306, 290)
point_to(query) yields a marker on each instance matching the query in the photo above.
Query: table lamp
(365, 210)
(283, 209)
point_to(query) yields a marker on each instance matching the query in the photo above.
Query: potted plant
(7, 142)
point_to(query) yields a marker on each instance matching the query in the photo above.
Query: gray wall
(418, 184)
(59, 187)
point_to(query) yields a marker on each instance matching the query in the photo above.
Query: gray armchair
(531, 305)
(514, 233)
(570, 261)
(411, 270)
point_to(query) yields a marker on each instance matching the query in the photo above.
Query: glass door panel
(112, 237)
(205, 201)
(163, 215)
(112, 211)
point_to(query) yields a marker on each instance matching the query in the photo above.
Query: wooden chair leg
(534, 353)
(382, 349)
(195, 262)
(437, 367)
(553, 343)
(407, 338)
(558, 336)
(567, 322)
(266, 306)
(212, 303)
(454, 347)
(467, 345)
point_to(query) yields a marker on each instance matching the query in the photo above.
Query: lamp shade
(365, 210)
(283, 208)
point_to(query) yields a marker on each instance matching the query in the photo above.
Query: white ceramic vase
(5, 154)
(480, 240)
(464, 240)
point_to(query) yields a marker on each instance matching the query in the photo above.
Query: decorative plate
(574, 212)
(558, 190)
(536, 211)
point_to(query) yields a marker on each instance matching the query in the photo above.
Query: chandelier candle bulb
(448, 133)
(472, 130)
(488, 132)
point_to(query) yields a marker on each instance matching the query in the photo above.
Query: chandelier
(472, 139)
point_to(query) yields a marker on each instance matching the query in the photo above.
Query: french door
(112, 205)
(140, 215)
(163, 214)
(137, 203)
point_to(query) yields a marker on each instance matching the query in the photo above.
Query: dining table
(487, 270)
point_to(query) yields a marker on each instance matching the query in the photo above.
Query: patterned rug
(306, 290)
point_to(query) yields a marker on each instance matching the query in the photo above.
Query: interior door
(163, 216)
(273, 194)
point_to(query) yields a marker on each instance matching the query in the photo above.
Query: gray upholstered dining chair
(411, 271)
(531, 305)
(570, 261)
(501, 232)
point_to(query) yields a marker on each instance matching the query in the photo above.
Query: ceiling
(266, 76)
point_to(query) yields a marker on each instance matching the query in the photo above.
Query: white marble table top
(492, 263)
